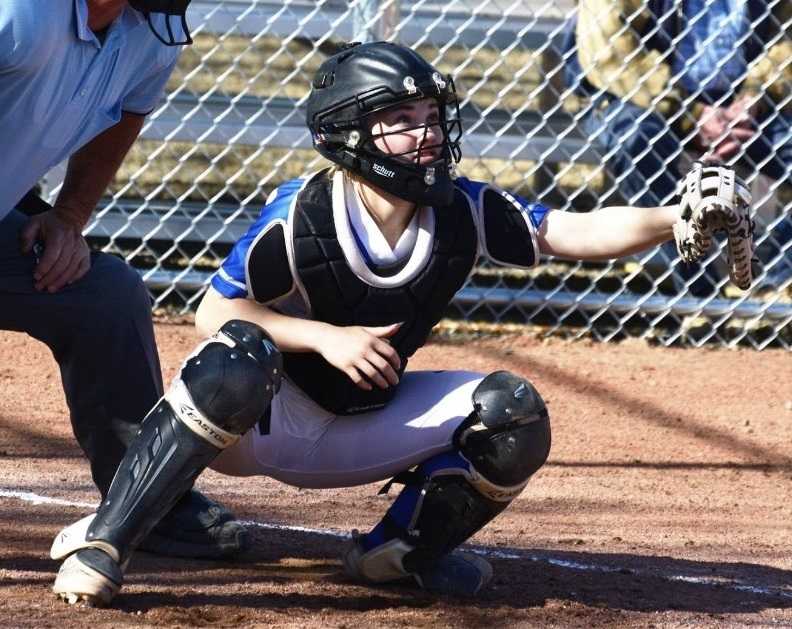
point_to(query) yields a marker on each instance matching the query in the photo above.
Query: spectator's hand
(66, 256)
(362, 351)
(740, 118)
(743, 112)
(719, 137)
(712, 125)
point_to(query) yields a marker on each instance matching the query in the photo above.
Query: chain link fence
(231, 127)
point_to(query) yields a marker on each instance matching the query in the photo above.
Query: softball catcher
(348, 270)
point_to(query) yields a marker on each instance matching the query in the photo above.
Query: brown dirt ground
(666, 501)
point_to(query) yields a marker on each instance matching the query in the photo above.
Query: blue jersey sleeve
(241, 275)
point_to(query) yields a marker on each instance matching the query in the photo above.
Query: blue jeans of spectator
(781, 270)
(100, 332)
(645, 165)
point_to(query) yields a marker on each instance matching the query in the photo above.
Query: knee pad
(451, 496)
(224, 387)
(507, 436)
(229, 380)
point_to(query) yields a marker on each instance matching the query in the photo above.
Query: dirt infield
(666, 502)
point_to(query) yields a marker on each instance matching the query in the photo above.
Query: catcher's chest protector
(338, 295)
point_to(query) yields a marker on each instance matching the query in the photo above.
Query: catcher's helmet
(365, 78)
(168, 8)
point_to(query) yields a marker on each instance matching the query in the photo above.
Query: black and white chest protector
(339, 288)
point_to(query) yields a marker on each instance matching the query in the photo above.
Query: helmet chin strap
(423, 185)
(402, 174)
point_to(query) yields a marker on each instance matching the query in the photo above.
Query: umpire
(77, 78)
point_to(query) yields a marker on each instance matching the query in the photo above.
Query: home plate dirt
(666, 502)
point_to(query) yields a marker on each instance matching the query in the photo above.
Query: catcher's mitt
(714, 199)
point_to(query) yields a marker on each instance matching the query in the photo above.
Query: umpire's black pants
(100, 332)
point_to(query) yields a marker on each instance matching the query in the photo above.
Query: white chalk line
(509, 553)
(29, 496)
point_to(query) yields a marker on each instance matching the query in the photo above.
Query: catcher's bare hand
(363, 354)
(714, 199)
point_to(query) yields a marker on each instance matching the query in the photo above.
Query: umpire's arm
(90, 170)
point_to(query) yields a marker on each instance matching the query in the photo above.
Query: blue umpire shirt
(60, 86)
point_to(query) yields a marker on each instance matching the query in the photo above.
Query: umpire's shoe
(197, 527)
(455, 574)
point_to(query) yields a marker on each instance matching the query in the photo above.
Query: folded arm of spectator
(614, 58)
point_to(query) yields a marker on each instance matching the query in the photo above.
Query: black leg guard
(224, 388)
(452, 495)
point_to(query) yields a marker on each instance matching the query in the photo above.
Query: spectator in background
(709, 75)
(77, 78)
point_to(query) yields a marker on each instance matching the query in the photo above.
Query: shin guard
(449, 497)
(223, 389)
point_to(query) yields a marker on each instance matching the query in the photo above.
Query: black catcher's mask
(169, 8)
(363, 79)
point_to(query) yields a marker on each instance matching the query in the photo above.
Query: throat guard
(169, 8)
(338, 295)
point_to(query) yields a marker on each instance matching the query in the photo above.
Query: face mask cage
(447, 130)
(171, 9)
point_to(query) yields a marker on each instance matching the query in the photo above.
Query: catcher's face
(410, 132)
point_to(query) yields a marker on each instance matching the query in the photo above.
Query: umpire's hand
(66, 256)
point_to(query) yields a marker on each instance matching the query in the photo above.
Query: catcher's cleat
(89, 576)
(455, 574)
(458, 574)
(71, 538)
(198, 528)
